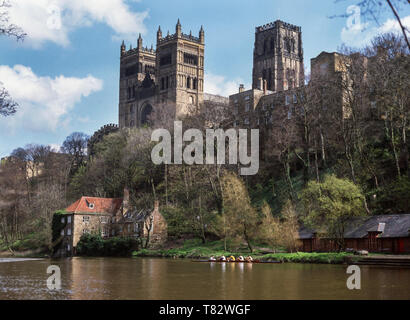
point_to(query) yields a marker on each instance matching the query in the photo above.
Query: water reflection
(144, 278)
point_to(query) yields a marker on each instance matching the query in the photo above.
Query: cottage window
(86, 219)
(247, 97)
(68, 247)
(247, 107)
(287, 100)
(62, 220)
(295, 98)
(62, 232)
(86, 231)
(69, 219)
(69, 232)
(246, 121)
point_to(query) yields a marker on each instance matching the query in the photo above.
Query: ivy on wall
(56, 227)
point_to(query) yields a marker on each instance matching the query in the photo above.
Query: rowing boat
(226, 261)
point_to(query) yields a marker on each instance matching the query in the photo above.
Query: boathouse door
(400, 245)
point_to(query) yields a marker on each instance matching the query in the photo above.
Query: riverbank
(194, 250)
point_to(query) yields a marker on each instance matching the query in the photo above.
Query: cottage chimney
(241, 88)
(126, 201)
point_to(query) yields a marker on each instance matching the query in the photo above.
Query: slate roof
(388, 226)
(136, 215)
(95, 205)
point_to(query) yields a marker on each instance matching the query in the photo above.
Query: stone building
(172, 76)
(109, 217)
(278, 57)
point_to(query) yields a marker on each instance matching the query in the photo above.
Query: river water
(149, 278)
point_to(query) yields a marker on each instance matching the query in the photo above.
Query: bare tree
(374, 8)
(76, 146)
(7, 105)
(7, 28)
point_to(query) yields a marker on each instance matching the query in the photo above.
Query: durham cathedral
(172, 76)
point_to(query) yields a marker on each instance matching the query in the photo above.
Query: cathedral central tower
(278, 57)
(180, 69)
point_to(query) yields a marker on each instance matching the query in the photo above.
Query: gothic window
(270, 79)
(140, 67)
(165, 60)
(146, 111)
(131, 70)
(195, 84)
(188, 82)
(289, 113)
(287, 43)
(166, 82)
(190, 59)
(162, 83)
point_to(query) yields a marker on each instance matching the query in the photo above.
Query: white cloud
(217, 84)
(44, 102)
(360, 34)
(53, 20)
(55, 147)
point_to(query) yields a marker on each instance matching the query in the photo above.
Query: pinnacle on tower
(178, 29)
(139, 45)
(123, 47)
(202, 35)
(159, 33)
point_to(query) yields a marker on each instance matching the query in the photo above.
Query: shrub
(95, 245)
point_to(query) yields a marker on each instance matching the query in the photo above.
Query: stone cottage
(110, 217)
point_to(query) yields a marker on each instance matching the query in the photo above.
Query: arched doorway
(146, 111)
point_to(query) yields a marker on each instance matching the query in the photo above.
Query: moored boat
(226, 261)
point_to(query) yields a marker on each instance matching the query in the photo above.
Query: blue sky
(65, 74)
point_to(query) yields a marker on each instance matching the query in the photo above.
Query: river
(153, 278)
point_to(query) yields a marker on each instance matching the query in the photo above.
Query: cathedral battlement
(278, 23)
(137, 50)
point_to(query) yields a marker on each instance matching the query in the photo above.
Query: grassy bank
(195, 250)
